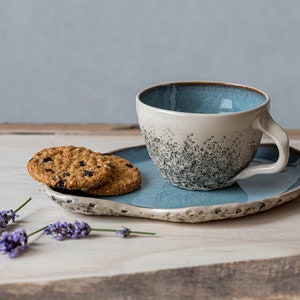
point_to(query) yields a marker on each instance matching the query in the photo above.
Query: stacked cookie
(78, 168)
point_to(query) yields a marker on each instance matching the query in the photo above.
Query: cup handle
(267, 125)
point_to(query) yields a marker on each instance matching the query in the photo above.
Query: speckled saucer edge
(197, 214)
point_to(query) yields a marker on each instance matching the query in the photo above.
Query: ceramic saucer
(157, 199)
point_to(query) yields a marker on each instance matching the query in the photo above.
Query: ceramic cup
(204, 135)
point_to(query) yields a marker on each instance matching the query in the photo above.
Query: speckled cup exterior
(203, 135)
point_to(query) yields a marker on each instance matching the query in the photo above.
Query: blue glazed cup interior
(204, 98)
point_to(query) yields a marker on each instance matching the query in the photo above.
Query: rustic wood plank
(69, 128)
(249, 258)
(266, 280)
(293, 134)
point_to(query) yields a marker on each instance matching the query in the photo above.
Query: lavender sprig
(10, 215)
(17, 242)
(82, 229)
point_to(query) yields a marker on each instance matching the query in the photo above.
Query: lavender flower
(6, 216)
(13, 244)
(10, 215)
(64, 230)
(82, 229)
(125, 232)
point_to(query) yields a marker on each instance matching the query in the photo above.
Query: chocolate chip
(66, 174)
(82, 163)
(88, 173)
(47, 159)
(62, 184)
(49, 170)
(129, 165)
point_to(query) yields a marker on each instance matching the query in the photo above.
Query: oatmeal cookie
(125, 178)
(70, 167)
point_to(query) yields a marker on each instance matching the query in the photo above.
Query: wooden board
(253, 257)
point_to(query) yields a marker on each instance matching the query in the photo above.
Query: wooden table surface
(254, 257)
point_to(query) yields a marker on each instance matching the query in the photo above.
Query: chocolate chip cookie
(70, 167)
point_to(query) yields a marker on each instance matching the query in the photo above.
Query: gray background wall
(85, 60)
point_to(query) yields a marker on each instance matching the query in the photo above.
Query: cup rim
(220, 83)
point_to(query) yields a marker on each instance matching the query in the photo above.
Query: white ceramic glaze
(209, 146)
